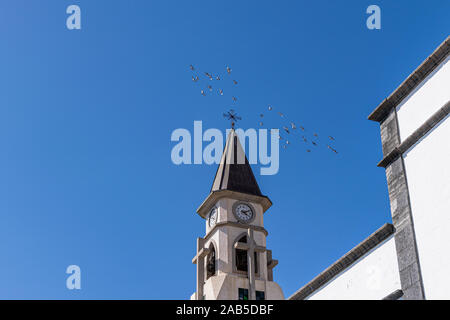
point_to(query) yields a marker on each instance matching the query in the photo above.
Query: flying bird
(217, 78)
(195, 79)
(221, 92)
(332, 149)
(286, 129)
(210, 88)
(331, 138)
(281, 115)
(293, 126)
(191, 67)
(235, 82)
(228, 70)
(315, 135)
(261, 115)
(203, 92)
(208, 75)
(234, 99)
(270, 108)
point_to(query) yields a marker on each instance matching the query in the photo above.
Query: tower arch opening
(211, 268)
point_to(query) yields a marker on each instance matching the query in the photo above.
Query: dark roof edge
(397, 294)
(434, 60)
(343, 263)
(431, 123)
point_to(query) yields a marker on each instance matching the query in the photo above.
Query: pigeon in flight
(293, 126)
(228, 70)
(208, 75)
(314, 143)
(286, 129)
(332, 149)
(235, 82)
(270, 108)
(281, 115)
(331, 138)
(234, 99)
(217, 78)
(195, 79)
(315, 135)
(221, 92)
(191, 67)
(203, 92)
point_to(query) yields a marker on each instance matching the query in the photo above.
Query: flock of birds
(292, 132)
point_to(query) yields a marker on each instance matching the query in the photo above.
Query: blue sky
(86, 117)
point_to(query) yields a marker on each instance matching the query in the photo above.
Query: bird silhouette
(332, 149)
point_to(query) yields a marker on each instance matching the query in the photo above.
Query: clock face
(243, 212)
(212, 217)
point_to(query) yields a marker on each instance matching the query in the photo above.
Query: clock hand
(246, 213)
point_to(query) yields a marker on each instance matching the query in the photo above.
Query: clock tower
(233, 262)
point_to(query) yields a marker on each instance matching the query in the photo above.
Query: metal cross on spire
(232, 116)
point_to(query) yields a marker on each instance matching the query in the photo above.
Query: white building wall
(431, 95)
(372, 277)
(427, 166)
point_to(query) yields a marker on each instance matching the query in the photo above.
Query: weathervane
(231, 115)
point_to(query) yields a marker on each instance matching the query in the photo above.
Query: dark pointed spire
(234, 172)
